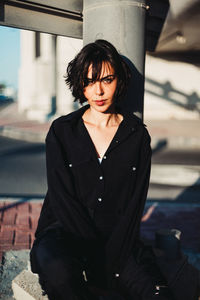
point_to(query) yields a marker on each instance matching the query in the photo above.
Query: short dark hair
(95, 54)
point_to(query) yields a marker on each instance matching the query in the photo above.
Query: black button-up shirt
(99, 202)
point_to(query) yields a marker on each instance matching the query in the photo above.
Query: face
(100, 93)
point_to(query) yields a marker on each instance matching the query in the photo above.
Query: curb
(177, 142)
(24, 135)
(26, 287)
(39, 137)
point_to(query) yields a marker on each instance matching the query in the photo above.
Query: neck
(102, 119)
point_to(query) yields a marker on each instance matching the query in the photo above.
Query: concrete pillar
(26, 72)
(67, 48)
(123, 24)
(53, 102)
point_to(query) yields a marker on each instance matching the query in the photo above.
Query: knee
(134, 280)
(56, 271)
(55, 268)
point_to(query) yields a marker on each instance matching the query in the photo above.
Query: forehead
(106, 70)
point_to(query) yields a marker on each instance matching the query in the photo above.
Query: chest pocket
(84, 170)
(76, 163)
(79, 166)
(77, 158)
(127, 169)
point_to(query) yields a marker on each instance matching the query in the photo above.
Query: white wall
(180, 79)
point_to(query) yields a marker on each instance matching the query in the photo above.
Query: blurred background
(33, 93)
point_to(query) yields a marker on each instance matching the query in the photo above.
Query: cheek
(113, 88)
(86, 92)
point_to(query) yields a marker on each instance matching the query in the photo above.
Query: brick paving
(18, 221)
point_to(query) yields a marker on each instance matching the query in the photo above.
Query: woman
(98, 168)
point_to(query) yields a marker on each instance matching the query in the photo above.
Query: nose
(99, 88)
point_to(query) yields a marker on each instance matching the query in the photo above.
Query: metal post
(123, 24)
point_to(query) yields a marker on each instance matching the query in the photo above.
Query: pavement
(15, 125)
(19, 216)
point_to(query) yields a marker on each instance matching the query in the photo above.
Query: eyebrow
(103, 78)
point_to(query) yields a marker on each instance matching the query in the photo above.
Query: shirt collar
(81, 141)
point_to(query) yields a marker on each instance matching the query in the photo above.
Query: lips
(100, 102)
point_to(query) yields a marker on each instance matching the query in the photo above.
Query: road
(175, 174)
(22, 171)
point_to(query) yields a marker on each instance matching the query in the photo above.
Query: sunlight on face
(100, 93)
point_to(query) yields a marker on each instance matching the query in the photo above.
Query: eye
(108, 80)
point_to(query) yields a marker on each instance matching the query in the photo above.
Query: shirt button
(116, 275)
(99, 199)
(101, 177)
(134, 168)
(116, 141)
(104, 157)
(70, 165)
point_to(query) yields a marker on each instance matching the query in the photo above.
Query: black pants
(60, 261)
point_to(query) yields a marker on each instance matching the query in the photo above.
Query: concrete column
(67, 48)
(53, 105)
(123, 24)
(26, 72)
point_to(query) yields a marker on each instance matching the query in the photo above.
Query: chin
(106, 107)
(103, 108)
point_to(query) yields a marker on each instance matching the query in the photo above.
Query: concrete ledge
(178, 142)
(24, 135)
(177, 134)
(16, 279)
(26, 287)
(19, 283)
(13, 263)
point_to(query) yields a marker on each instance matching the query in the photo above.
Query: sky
(9, 55)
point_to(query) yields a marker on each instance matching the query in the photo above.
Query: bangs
(98, 68)
(99, 63)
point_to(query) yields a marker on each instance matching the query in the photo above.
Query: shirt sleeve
(121, 242)
(68, 210)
